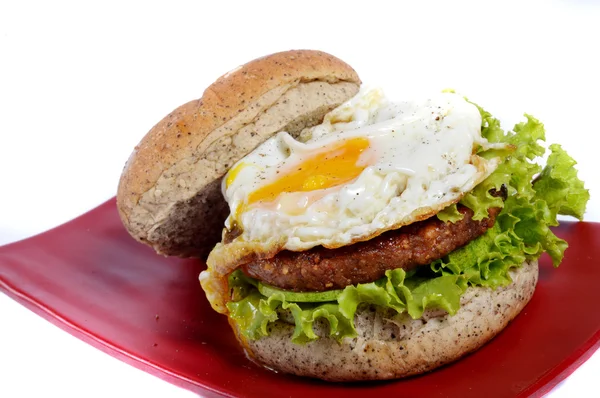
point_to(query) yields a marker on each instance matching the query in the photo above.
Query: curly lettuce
(535, 197)
(254, 312)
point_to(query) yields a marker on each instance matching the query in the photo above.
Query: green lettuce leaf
(521, 232)
(559, 186)
(254, 312)
(450, 214)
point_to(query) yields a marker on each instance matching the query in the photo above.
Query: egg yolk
(233, 173)
(336, 166)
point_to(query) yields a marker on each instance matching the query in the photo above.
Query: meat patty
(320, 269)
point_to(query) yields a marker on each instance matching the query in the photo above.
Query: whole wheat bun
(390, 345)
(169, 195)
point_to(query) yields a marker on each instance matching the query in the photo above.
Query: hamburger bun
(391, 345)
(169, 195)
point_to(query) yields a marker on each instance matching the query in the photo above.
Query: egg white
(419, 160)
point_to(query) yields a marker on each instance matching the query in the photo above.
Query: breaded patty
(321, 269)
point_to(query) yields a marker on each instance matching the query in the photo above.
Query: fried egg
(371, 166)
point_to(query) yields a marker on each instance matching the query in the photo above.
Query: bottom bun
(391, 345)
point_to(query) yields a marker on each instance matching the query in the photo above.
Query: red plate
(94, 281)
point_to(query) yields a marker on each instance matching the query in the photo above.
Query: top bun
(169, 195)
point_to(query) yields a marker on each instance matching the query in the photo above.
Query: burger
(349, 236)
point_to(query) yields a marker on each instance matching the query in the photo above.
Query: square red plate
(94, 281)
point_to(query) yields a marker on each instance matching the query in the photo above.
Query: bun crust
(169, 194)
(391, 346)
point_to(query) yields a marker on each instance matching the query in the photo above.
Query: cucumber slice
(300, 297)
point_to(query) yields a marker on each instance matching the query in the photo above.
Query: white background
(81, 83)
